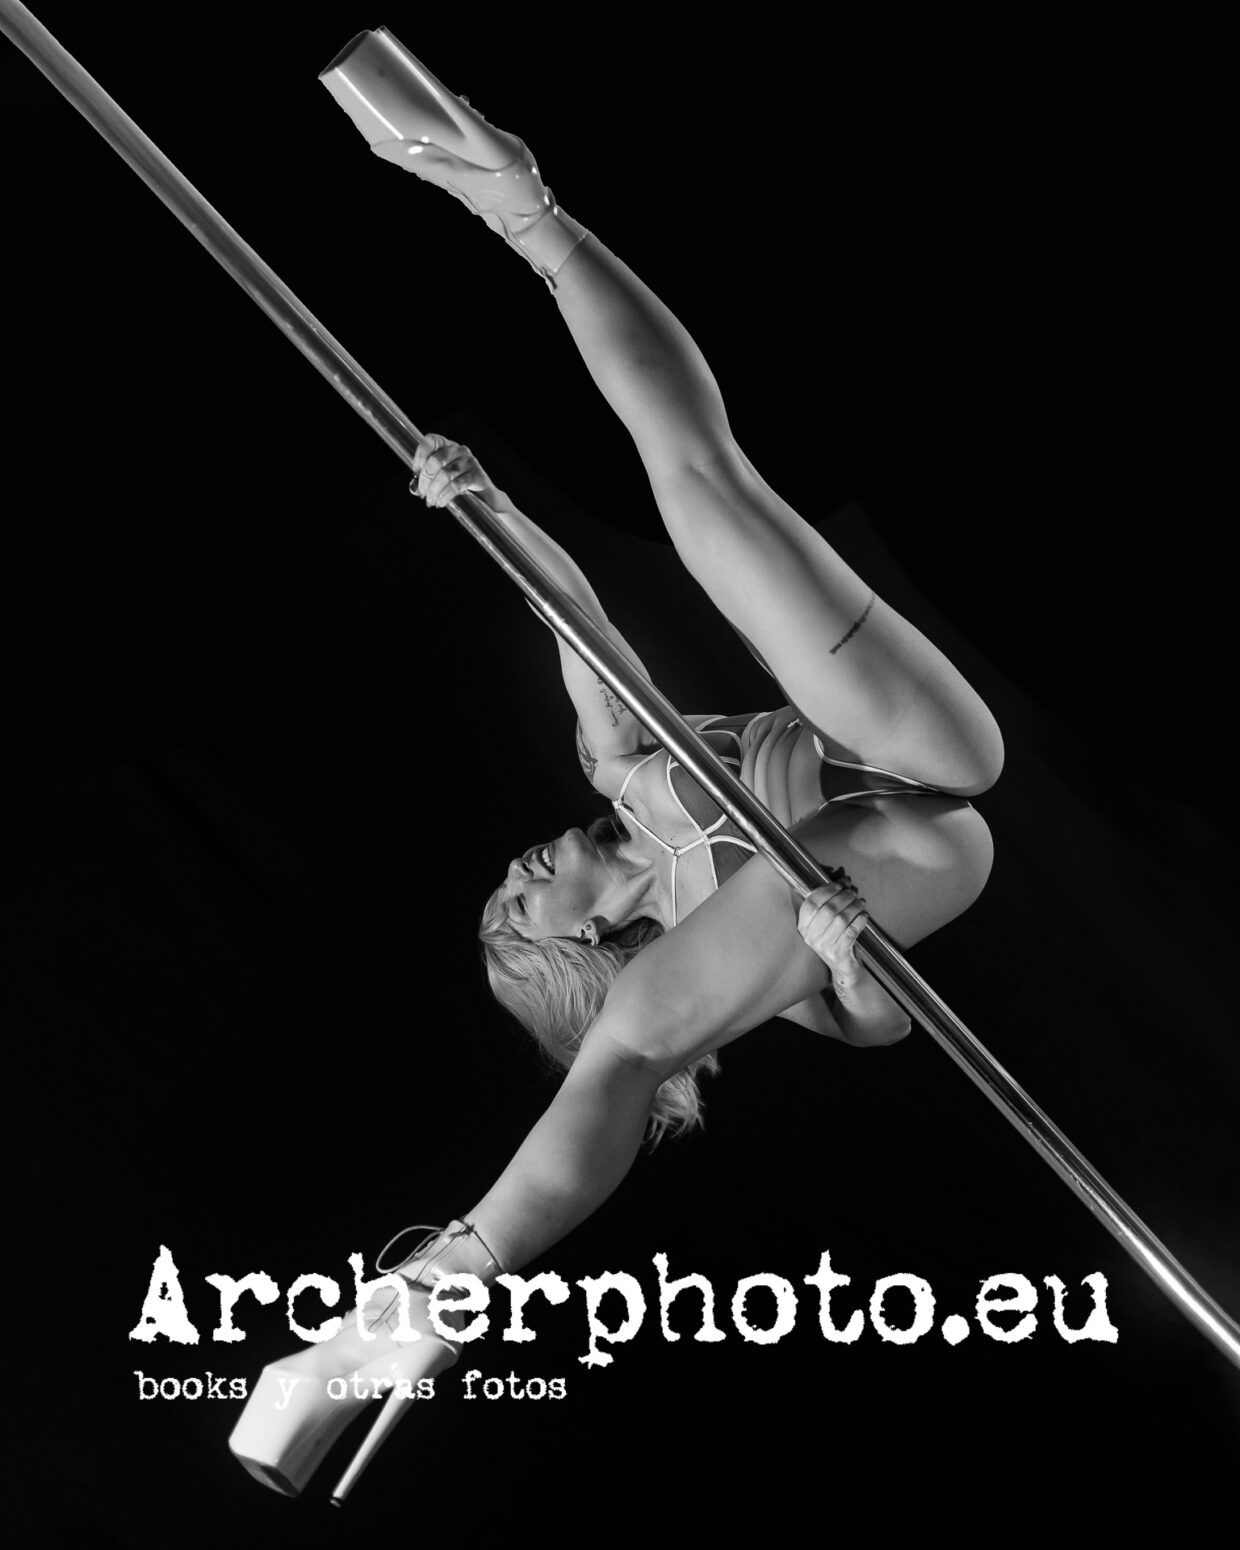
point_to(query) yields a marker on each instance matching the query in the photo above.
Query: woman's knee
(945, 735)
(984, 756)
(690, 455)
(703, 485)
(974, 857)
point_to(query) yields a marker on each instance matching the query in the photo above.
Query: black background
(284, 727)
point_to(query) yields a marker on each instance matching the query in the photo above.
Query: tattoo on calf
(588, 762)
(615, 707)
(864, 616)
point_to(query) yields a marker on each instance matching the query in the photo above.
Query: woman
(867, 695)
(571, 912)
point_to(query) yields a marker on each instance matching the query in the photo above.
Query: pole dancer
(635, 951)
(620, 797)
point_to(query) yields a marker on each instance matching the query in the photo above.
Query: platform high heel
(300, 1406)
(412, 120)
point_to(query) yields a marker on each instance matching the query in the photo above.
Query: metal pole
(789, 858)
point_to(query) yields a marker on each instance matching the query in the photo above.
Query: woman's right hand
(830, 920)
(444, 469)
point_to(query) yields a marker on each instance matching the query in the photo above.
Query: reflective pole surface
(790, 859)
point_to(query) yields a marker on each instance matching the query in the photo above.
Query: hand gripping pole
(790, 859)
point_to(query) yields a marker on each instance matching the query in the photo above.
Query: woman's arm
(734, 962)
(607, 730)
(866, 1014)
(578, 1152)
(722, 970)
(584, 1145)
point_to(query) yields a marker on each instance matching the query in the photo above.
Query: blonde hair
(555, 988)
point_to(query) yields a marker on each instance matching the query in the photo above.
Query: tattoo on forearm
(845, 989)
(615, 707)
(864, 616)
(584, 752)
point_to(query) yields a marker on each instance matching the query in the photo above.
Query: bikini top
(755, 749)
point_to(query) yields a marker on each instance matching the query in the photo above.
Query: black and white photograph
(625, 895)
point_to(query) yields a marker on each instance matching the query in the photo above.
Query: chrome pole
(790, 859)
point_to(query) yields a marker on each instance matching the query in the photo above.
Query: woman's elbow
(889, 1031)
(630, 1053)
(882, 1026)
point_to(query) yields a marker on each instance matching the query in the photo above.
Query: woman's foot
(413, 121)
(299, 1406)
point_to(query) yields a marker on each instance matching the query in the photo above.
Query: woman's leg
(873, 685)
(876, 688)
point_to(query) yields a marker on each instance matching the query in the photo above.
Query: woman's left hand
(444, 469)
(830, 920)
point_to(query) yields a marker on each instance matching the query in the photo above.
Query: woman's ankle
(551, 242)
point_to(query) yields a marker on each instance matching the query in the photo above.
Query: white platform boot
(412, 120)
(301, 1405)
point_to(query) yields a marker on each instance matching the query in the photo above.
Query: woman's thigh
(876, 688)
(739, 960)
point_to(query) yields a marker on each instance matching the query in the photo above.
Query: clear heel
(394, 1408)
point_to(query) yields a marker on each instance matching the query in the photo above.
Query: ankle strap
(435, 1247)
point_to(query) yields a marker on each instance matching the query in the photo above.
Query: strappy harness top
(760, 746)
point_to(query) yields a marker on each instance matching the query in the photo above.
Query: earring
(589, 933)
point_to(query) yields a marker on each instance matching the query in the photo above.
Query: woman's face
(555, 888)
